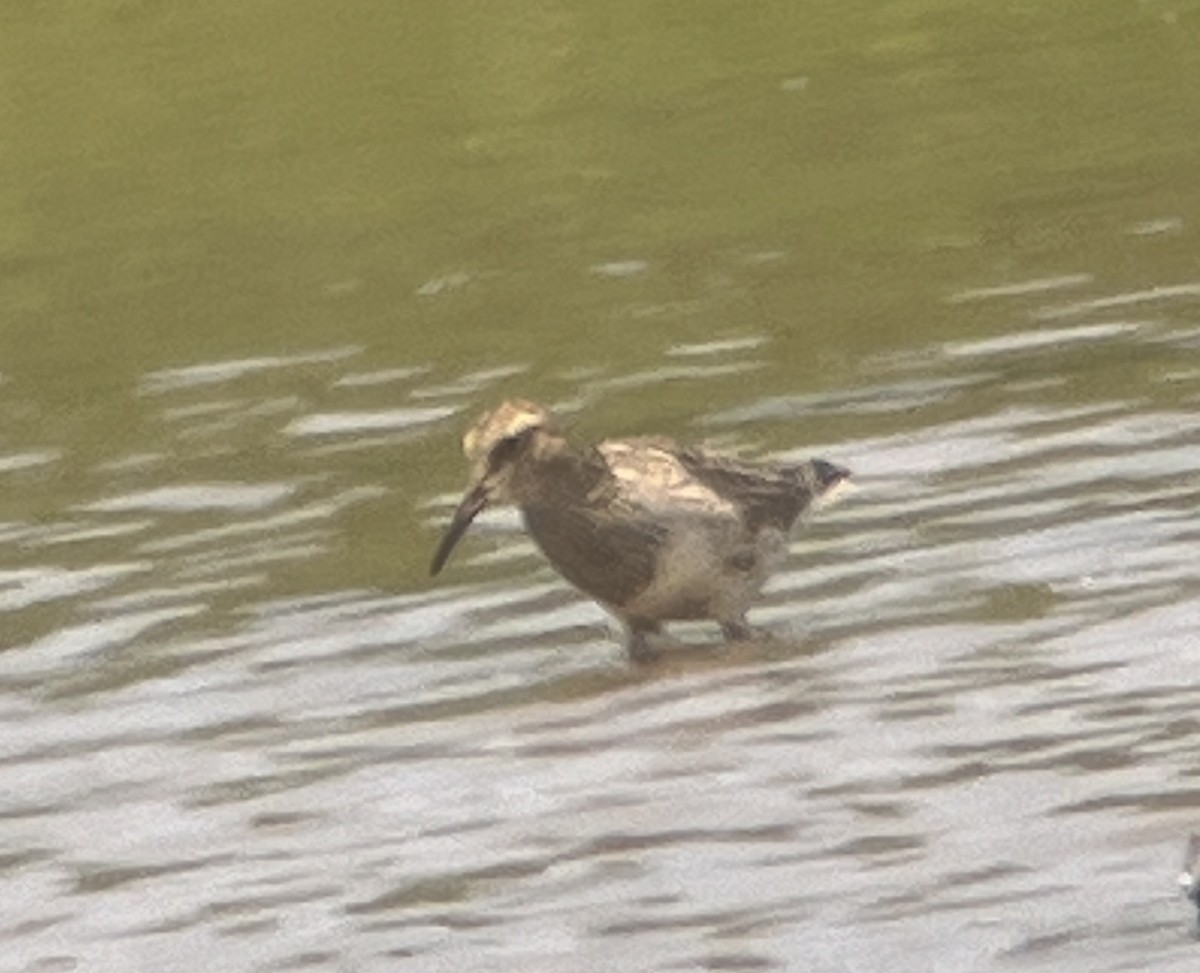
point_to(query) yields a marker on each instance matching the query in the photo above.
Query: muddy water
(260, 264)
(969, 744)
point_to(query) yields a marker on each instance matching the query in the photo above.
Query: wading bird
(652, 530)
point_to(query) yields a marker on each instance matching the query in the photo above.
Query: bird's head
(495, 447)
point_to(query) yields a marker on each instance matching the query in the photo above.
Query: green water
(260, 262)
(189, 183)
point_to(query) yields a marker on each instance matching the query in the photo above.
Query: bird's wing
(767, 495)
(649, 478)
(608, 555)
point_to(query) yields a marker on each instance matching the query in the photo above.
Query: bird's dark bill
(474, 501)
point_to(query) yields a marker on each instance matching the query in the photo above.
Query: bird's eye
(504, 451)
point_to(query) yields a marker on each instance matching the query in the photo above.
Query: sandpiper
(652, 530)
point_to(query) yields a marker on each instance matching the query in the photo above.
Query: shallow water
(969, 738)
(253, 291)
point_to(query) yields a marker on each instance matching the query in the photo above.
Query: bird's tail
(826, 482)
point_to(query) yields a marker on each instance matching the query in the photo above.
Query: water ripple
(239, 722)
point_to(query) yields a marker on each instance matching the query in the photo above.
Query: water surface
(268, 262)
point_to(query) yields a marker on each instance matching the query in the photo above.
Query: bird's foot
(637, 643)
(740, 630)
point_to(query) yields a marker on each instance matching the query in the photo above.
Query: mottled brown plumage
(652, 530)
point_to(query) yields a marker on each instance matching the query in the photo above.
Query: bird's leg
(740, 630)
(737, 630)
(637, 644)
